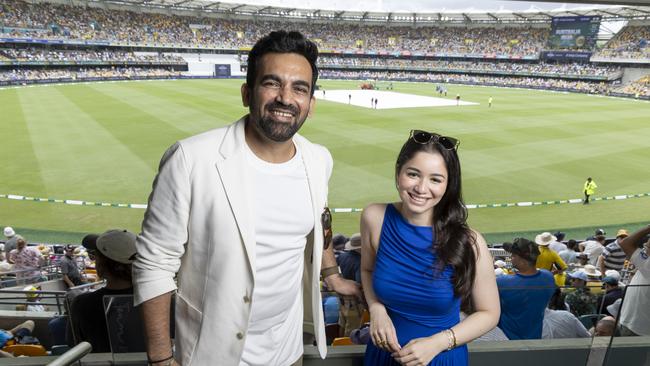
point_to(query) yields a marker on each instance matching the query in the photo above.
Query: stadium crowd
(632, 42)
(562, 69)
(523, 82)
(125, 73)
(49, 21)
(52, 55)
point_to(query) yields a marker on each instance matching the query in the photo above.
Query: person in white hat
(548, 259)
(12, 239)
(114, 252)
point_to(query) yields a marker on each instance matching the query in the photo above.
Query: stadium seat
(26, 350)
(342, 341)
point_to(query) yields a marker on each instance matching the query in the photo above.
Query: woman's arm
(381, 327)
(485, 297)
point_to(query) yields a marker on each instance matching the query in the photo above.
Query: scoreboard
(579, 32)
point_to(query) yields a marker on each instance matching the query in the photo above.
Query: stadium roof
(413, 12)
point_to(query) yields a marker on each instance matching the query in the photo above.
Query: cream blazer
(198, 224)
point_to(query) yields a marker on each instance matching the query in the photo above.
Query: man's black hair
(282, 42)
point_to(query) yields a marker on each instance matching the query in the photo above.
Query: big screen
(577, 32)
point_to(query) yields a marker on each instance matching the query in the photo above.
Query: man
(10, 243)
(114, 252)
(613, 256)
(560, 323)
(239, 213)
(635, 310)
(581, 301)
(569, 254)
(69, 268)
(557, 245)
(350, 259)
(16, 334)
(589, 189)
(27, 261)
(490, 102)
(593, 248)
(612, 293)
(524, 295)
(548, 259)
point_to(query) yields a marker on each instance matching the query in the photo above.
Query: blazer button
(240, 335)
(247, 299)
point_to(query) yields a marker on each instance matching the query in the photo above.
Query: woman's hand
(420, 351)
(382, 330)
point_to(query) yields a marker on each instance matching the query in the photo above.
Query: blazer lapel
(236, 184)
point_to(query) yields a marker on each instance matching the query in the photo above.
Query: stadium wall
(632, 73)
(202, 64)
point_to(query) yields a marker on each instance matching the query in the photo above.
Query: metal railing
(75, 354)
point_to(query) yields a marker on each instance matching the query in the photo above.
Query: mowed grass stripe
(219, 103)
(143, 132)
(74, 150)
(21, 169)
(171, 109)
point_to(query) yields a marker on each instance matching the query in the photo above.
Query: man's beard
(279, 131)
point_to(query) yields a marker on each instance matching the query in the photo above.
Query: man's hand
(343, 287)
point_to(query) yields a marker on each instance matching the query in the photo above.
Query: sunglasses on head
(424, 137)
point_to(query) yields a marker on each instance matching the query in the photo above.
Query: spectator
(20, 333)
(12, 238)
(593, 248)
(581, 301)
(635, 312)
(27, 261)
(548, 259)
(560, 323)
(524, 295)
(557, 245)
(349, 260)
(606, 327)
(613, 256)
(569, 254)
(114, 252)
(612, 293)
(69, 268)
(33, 299)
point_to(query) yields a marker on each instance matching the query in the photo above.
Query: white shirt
(593, 249)
(283, 214)
(562, 324)
(635, 312)
(557, 246)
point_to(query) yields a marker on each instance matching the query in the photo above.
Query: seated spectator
(557, 245)
(560, 323)
(20, 334)
(338, 242)
(69, 268)
(606, 327)
(581, 301)
(635, 312)
(593, 248)
(612, 293)
(33, 299)
(12, 238)
(114, 251)
(613, 256)
(524, 295)
(548, 259)
(569, 254)
(349, 260)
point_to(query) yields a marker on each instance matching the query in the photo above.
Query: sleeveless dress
(419, 301)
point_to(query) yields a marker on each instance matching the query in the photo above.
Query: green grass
(102, 142)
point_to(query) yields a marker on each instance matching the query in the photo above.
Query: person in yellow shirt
(589, 189)
(548, 259)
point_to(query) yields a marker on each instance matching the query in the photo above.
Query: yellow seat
(26, 350)
(342, 341)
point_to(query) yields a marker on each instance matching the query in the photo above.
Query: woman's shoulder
(374, 213)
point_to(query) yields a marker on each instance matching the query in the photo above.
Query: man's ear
(245, 95)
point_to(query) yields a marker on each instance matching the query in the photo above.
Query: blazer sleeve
(161, 244)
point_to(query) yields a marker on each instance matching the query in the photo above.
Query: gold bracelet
(326, 272)
(452, 339)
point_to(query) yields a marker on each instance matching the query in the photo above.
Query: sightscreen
(577, 32)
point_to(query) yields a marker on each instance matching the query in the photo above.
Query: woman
(420, 261)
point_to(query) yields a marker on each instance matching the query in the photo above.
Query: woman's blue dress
(420, 300)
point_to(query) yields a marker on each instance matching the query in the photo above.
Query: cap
(70, 247)
(622, 233)
(610, 281)
(118, 245)
(523, 248)
(9, 231)
(599, 232)
(499, 263)
(30, 292)
(580, 275)
(613, 273)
